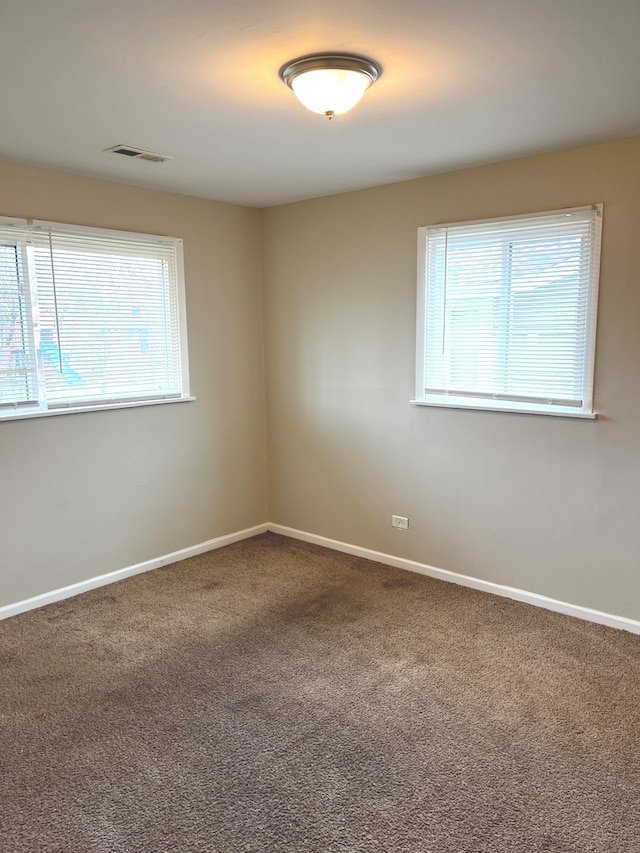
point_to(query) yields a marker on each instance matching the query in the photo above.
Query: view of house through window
(89, 317)
(507, 312)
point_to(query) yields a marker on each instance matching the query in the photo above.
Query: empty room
(319, 458)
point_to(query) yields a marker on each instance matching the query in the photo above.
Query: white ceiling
(464, 82)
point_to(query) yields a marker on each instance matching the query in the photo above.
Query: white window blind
(89, 317)
(507, 312)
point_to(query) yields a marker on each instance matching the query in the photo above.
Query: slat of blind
(556, 401)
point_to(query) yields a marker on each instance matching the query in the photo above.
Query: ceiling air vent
(138, 153)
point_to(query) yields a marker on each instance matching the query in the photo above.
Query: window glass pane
(548, 315)
(17, 364)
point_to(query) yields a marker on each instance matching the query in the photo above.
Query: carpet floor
(278, 696)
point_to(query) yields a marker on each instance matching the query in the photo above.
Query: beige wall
(546, 504)
(85, 494)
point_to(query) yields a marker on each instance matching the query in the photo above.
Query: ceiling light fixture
(330, 83)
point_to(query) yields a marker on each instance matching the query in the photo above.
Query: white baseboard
(120, 574)
(586, 613)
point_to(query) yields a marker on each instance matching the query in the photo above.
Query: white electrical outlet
(399, 522)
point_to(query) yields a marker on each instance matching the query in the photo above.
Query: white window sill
(18, 414)
(509, 409)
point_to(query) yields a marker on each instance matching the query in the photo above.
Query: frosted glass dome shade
(330, 90)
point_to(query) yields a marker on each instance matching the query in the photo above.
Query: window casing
(507, 313)
(89, 318)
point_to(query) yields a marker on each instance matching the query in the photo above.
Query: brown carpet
(276, 696)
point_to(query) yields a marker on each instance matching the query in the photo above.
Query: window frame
(493, 403)
(20, 410)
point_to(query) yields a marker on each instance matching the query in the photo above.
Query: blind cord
(444, 292)
(55, 300)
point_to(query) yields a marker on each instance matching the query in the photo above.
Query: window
(507, 313)
(88, 318)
